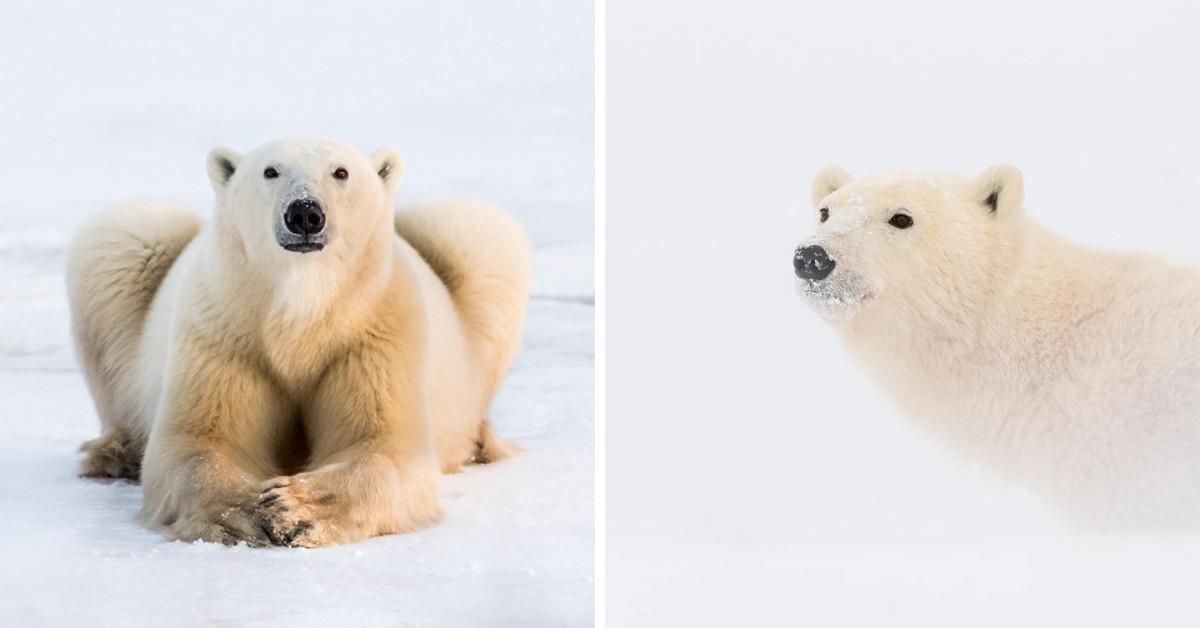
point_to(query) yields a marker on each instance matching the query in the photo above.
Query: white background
(102, 103)
(754, 476)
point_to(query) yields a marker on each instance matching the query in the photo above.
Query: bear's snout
(812, 262)
(304, 217)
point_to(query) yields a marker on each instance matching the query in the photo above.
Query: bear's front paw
(293, 515)
(228, 524)
(238, 524)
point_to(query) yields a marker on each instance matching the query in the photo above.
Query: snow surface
(112, 102)
(754, 475)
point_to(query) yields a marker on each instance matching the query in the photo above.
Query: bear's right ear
(827, 181)
(1000, 190)
(222, 163)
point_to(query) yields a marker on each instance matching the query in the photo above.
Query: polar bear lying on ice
(293, 372)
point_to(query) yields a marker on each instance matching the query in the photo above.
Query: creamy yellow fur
(296, 399)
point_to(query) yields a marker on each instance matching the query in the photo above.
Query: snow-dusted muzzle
(830, 287)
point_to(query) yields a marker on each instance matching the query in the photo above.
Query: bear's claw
(286, 514)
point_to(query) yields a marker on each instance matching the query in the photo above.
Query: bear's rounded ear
(222, 163)
(999, 190)
(389, 165)
(827, 181)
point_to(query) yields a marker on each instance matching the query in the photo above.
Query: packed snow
(109, 103)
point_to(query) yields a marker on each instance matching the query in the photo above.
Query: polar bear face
(907, 247)
(303, 198)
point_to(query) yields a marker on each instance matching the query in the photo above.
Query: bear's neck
(981, 380)
(314, 305)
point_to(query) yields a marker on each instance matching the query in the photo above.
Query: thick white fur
(297, 399)
(1072, 370)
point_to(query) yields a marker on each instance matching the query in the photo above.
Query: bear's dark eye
(824, 214)
(901, 221)
(340, 173)
(270, 173)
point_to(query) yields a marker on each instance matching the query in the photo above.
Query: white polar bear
(293, 371)
(1071, 370)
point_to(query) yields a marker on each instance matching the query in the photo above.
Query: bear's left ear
(999, 190)
(827, 181)
(389, 165)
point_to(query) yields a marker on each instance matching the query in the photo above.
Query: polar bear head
(899, 249)
(311, 198)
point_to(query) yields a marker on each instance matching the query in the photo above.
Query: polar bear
(293, 372)
(1071, 370)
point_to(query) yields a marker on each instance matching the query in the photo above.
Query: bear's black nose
(304, 217)
(812, 262)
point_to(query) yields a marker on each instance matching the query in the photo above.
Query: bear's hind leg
(485, 260)
(115, 265)
(490, 447)
(115, 454)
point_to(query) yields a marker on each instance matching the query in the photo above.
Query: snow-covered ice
(109, 103)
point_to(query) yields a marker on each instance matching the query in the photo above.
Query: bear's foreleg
(204, 496)
(374, 468)
(210, 449)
